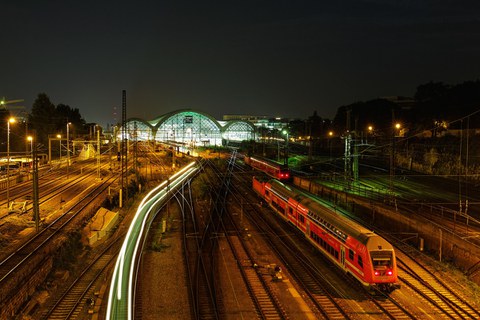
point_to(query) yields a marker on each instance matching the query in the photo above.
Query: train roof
(267, 160)
(284, 190)
(326, 212)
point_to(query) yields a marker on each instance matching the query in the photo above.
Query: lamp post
(285, 132)
(369, 132)
(59, 136)
(36, 210)
(11, 120)
(398, 126)
(395, 130)
(68, 147)
(330, 135)
(30, 139)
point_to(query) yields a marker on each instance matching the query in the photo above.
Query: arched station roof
(189, 127)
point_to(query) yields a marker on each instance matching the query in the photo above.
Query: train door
(342, 256)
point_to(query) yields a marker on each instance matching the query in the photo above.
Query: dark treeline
(47, 119)
(435, 106)
(44, 120)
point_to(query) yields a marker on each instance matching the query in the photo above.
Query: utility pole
(135, 151)
(124, 151)
(392, 152)
(68, 147)
(36, 209)
(348, 157)
(348, 151)
(98, 153)
(355, 154)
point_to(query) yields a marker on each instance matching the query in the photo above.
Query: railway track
(322, 292)
(80, 295)
(264, 299)
(198, 249)
(21, 265)
(389, 306)
(439, 296)
(432, 293)
(315, 284)
(202, 235)
(433, 290)
(53, 186)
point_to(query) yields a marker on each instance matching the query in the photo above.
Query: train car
(352, 248)
(270, 167)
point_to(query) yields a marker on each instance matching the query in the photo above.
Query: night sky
(276, 58)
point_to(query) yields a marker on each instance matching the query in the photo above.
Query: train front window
(381, 263)
(381, 259)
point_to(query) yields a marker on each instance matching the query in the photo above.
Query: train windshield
(381, 259)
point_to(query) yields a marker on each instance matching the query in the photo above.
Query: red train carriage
(270, 167)
(351, 247)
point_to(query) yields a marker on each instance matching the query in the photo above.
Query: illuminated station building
(192, 129)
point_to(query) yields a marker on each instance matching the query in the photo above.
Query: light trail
(120, 298)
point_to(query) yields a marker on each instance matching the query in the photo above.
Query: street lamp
(11, 120)
(396, 130)
(36, 210)
(330, 135)
(59, 136)
(30, 138)
(369, 132)
(285, 132)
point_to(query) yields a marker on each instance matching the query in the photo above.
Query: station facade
(190, 128)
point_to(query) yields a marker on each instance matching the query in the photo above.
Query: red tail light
(389, 272)
(377, 273)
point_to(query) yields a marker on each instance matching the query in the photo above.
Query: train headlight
(376, 272)
(389, 272)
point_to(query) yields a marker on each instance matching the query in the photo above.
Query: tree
(43, 118)
(439, 103)
(377, 112)
(431, 91)
(315, 125)
(49, 120)
(66, 114)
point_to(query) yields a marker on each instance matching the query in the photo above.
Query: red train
(352, 248)
(270, 167)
